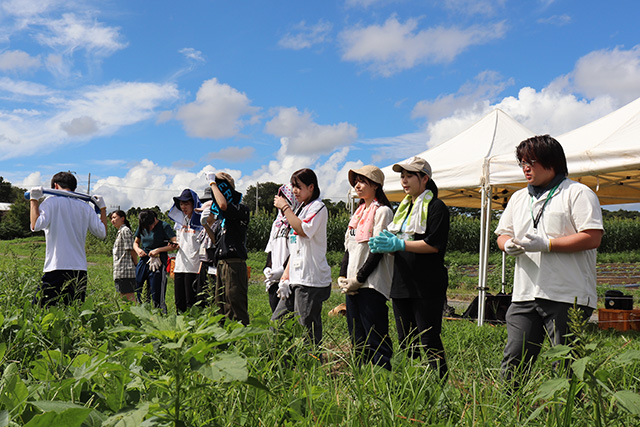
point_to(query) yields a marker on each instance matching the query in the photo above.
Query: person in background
(553, 228)
(124, 257)
(306, 281)
(187, 227)
(365, 277)
(152, 240)
(65, 222)
(278, 247)
(418, 237)
(207, 272)
(232, 282)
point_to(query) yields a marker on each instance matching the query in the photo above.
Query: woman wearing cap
(187, 227)
(418, 237)
(124, 257)
(366, 277)
(278, 247)
(306, 281)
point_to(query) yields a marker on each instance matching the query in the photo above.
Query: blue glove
(386, 242)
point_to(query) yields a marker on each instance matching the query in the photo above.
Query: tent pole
(481, 264)
(504, 270)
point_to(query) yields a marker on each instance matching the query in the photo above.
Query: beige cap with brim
(414, 164)
(371, 172)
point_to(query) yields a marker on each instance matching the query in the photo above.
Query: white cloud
(366, 3)
(217, 111)
(332, 173)
(395, 46)
(304, 36)
(557, 20)
(24, 88)
(148, 184)
(192, 54)
(614, 73)
(72, 32)
(472, 95)
(98, 111)
(232, 154)
(11, 60)
(307, 137)
(474, 7)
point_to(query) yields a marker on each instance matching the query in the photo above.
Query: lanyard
(536, 220)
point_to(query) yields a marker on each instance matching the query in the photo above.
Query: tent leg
(504, 271)
(485, 221)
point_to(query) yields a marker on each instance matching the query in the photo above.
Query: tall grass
(106, 362)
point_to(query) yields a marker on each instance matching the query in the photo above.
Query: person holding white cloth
(306, 281)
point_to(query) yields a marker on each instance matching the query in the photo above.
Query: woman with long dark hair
(124, 257)
(418, 237)
(306, 281)
(365, 277)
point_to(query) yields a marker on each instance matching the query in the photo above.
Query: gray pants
(306, 303)
(527, 325)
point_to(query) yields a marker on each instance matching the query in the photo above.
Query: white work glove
(512, 248)
(276, 274)
(36, 193)
(535, 243)
(99, 201)
(284, 290)
(210, 177)
(267, 278)
(155, 264)
(349, 286)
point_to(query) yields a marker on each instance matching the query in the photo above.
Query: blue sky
(146, 95)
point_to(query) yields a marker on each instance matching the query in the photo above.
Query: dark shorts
(126, 286)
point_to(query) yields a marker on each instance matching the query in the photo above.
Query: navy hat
(184, 197)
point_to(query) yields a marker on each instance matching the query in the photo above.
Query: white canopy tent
(477, 168)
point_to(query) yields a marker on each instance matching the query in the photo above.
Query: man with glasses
(553, 228)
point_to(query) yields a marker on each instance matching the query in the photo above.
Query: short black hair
(545, 150)
(307, 177)
(65, 180)
(147, 217)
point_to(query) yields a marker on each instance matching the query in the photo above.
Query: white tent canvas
(463, 164)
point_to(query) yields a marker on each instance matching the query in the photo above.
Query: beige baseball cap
(414, 164)
(369, 171)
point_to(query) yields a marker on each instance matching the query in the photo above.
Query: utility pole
(257, 184)
(89, 184)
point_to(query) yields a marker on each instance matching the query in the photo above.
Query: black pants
(368, 323)
(62, 286)
(184, 290)
(419, 323)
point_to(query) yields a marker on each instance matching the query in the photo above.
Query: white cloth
(188, 255)
(278, 245)
(65, 222)
(308, 261)
(380, 278)
(555, 276)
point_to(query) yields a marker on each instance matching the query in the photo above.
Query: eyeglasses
(526, 163)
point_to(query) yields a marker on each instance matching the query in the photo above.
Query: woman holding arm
(366, 277)
(306, 281)
(124, 257)
(278, 247)
(418, 237)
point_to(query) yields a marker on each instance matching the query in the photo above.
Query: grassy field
(109, 363)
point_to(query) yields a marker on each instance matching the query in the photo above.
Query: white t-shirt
(555, 276)
(188, 256)
(65, 222)
(380, 278)
(308, 261)
(278, 245)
